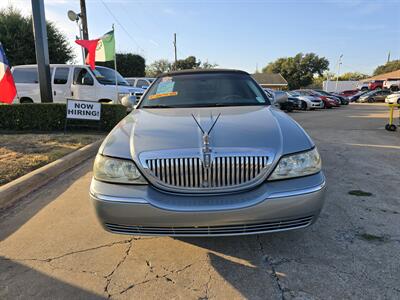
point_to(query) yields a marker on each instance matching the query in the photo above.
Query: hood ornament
(206, 143)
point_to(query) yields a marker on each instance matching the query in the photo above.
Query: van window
(141, 82)
(26, 75)
(82, 77)
(61, 76)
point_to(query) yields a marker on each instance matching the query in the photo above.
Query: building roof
(394, 74)
(269, 79)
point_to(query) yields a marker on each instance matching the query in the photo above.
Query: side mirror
(129, 101)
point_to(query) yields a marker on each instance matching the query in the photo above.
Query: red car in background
(375, 84)
(348, 93)
(328, 102)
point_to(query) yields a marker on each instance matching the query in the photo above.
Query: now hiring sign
(85, 110)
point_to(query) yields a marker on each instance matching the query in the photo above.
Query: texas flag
(7, 85)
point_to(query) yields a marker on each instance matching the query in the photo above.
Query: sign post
(83, 110)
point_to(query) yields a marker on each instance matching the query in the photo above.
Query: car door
(61, 86)
(380, 96)
(27, 83)
(83, 85)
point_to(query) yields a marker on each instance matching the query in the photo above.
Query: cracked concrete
(51, 245)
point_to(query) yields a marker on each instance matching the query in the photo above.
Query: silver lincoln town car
(205, 154)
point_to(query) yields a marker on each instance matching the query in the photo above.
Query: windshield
(293, 94)
(107, 76)
(369, 93)
(204, 89)
(323, 93)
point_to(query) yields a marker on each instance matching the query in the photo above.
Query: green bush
(51, 117)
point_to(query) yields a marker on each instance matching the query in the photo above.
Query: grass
(23, 153)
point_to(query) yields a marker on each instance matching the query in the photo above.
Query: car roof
(57, 65)
(202, 71)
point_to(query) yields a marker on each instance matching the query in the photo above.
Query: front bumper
(317, 104)
(271, 207)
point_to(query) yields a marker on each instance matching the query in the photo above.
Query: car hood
(245, 127)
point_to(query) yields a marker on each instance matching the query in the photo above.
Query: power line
(123, 28)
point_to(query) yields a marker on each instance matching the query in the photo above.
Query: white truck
(330, 86)
(72, 82)
(392, 84)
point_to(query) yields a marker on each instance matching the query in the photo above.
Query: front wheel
(303, 105)
(398, 101)
(371, 100)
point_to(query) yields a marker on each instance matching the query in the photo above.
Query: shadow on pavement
(244, 263)
(30, 205)
(35, 284)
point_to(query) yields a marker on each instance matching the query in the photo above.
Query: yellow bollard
(391, 126)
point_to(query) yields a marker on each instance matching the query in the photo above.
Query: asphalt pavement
(52, 247)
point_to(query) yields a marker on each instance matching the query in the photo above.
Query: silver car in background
(307, 102)
(205, 154)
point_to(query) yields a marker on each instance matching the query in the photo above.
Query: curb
(24, 185)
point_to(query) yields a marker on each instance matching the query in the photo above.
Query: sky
(240, 34)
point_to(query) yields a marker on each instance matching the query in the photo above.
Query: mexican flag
(105, 49)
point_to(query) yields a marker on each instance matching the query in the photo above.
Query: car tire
(371, 100)
(303, 105)
(25, 100)
(323, 105)
(398, 101)
(105, 101)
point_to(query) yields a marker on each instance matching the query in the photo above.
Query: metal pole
(42, 50)
(83, 17)
(81, 38)
(115, 69)
(84, 20)
(176, 56)
(338, 71)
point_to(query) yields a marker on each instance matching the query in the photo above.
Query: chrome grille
(224, 171)
(272, 226)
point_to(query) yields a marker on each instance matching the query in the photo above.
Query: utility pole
(83, 17)
(42, 50)
(388, 57)
(176, 57)
(85, 31)
(338, 71)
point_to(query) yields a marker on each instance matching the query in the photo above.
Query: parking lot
(51, 245)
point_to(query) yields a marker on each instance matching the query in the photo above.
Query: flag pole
(115, 67)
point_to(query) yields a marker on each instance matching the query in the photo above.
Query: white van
(140, 82)
(72, 82)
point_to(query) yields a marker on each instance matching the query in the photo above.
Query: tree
(388, 67)
(356, 76)
(158, 67)
(188, 63)
(300, 70)
(163, 65)
(128, 65)
(16, 35)
(207, 65)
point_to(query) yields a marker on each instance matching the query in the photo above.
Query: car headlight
(122, 95)
(117, 170)
(297, 165)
